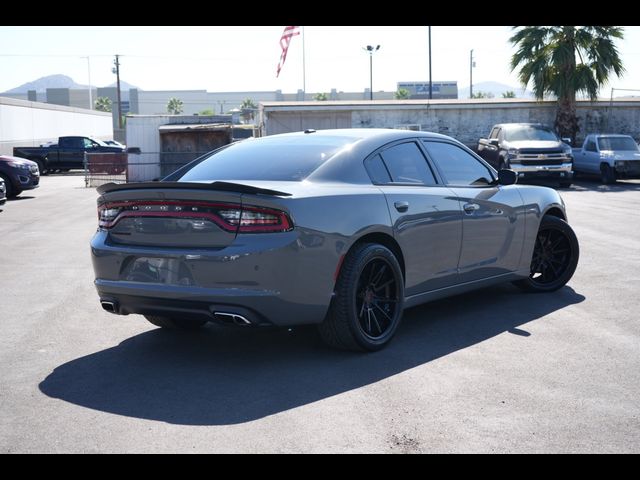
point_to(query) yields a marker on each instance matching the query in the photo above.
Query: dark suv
(18, 174)
(531, 149)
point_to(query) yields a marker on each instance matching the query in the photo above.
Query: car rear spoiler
(220, 186)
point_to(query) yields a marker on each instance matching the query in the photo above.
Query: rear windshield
(530, 132)
(269, 158)
(617, 143)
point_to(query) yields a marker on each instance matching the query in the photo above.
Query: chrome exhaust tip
(233, 318)
(109, 306)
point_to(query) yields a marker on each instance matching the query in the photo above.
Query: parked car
(3, 192)
(68, 153)
(340, 228)
(530, 149)
(18, 175)
(610, 156)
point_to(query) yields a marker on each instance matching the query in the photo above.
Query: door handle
(401, 206)
(471, 207)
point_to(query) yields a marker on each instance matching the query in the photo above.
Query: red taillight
(229, 217)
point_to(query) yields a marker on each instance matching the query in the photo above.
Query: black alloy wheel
(368, 302)
(555, 256)
(376, 298)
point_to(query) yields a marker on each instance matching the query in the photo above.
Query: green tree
(207, 111)
(103, 104)
(321, 97)
(509, 94)
(481, 94)
(402, 94)
(175, 106)
(566, 60)
(248, 108)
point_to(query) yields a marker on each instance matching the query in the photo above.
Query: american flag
(285, 40)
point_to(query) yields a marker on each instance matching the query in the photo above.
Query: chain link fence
(101, 168)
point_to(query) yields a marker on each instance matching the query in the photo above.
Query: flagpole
(304, 72)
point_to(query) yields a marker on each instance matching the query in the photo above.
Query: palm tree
(320, 97)
(248, 108)
(509, 94)
(402, 94)
(563, 61)
(103, 104)
(175, 106)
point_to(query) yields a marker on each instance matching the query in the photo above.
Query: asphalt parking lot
(491, 371)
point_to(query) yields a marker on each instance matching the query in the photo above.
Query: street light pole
(371, 50)
(430, 82)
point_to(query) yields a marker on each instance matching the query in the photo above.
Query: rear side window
(406, 164)
(457, 166)
(376, 169)
(269, 158)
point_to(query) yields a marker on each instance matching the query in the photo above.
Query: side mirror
(494, 141)
(567, 140)
(507, 177)
(134, 150)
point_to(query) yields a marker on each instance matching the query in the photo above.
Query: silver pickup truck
(610, 156)
(530, 149)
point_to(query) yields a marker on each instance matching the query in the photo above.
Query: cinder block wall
(466, 121)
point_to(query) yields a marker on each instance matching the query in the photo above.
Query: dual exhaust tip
(224, 317)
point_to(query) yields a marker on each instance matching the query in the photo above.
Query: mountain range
(59, 81)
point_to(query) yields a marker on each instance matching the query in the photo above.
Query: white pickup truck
(610, 156)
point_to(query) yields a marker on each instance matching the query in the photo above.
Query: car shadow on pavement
(222, 376)
(20, 197)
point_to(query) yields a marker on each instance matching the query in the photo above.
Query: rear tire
(555, 257)
(607, 174)
(565, 184)
(369, 298)
(175, 323)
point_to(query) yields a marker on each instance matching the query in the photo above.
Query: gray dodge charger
(339, 228)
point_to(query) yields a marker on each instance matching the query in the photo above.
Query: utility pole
(117, 63)
(430, 81)
(471, 74)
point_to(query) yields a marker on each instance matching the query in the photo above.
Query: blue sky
(245, 58)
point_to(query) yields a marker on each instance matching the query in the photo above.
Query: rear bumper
(269, 280)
